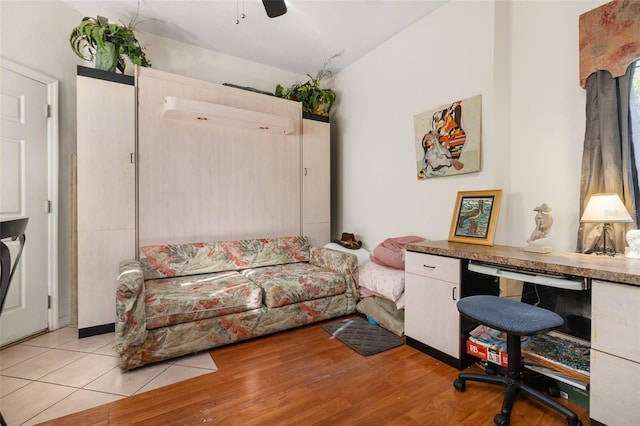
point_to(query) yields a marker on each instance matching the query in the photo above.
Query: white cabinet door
(106, 194)
(613, 389)
(431, 316)
(615, 353)
(615, 312)
(316, 181)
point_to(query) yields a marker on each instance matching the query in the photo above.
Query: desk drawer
(614, 319)
(613, 398)
(428, 265)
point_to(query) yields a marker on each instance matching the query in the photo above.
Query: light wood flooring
(304, 377)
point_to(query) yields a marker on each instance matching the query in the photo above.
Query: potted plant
(315, 99)
(107, 44)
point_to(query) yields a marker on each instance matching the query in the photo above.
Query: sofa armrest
(338, 261)
(131, 320)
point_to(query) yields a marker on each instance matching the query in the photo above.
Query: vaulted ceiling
(300, 41)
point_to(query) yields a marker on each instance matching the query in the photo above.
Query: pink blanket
(390, 252)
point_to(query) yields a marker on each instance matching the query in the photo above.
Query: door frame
(52, 184)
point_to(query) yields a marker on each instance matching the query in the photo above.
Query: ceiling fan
(274, 8)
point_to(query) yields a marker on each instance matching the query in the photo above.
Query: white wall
(191, 61)
(35, 34)
(447, 56)
(522, 57)
(548, 118)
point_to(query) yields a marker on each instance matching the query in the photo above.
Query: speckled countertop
(616, 269)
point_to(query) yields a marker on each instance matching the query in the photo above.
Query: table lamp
(606, 209)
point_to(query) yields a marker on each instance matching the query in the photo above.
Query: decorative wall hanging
(475, 217)
(448, 139)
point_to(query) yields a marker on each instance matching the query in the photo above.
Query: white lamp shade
(605, 208)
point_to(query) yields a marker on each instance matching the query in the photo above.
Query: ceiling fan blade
(274, 8)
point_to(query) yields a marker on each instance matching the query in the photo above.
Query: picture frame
(475, 217)
(448, 139)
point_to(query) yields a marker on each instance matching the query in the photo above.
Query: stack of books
(557, 355)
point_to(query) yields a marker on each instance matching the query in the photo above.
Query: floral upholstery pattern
(173, 260)
(131, 328)
(184, 298)
(286, 284)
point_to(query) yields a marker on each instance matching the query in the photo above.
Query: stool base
(513, 388)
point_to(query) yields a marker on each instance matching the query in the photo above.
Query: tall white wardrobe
(164, 159)
(316, 179)
(105, 202)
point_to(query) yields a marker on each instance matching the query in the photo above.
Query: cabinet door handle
(305, 171)
(428, 267)
(453, 293)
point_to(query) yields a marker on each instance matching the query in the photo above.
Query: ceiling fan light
(274, 8)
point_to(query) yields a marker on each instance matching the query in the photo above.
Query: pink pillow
(382, 281)
(390, 252)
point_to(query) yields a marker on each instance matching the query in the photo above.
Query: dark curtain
(608, 164)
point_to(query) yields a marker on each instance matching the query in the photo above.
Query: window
(634, 114)
(636, 87)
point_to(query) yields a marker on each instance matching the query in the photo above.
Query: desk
(615, 312)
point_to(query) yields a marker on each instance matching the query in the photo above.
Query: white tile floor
(57, 374)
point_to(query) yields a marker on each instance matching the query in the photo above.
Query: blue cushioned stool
(516, 319)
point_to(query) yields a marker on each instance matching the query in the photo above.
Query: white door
(24, 193)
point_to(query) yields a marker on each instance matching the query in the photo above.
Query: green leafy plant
(314, 99)
(97, 39)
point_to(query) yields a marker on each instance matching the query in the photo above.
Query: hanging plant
(95, 39)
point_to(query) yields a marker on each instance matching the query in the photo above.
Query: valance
(609, 38)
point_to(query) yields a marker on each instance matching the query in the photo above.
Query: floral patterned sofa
(183, 298)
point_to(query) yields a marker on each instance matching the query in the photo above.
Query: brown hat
(349, 241)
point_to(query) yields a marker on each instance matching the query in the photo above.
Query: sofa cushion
(171, 260)
(293, 283)
(183, 299)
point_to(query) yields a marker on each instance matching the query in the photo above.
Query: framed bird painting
(475, 217)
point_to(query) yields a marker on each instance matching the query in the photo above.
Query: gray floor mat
(362, 336)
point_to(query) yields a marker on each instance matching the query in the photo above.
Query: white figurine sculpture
(633, 239)
(543, 220)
